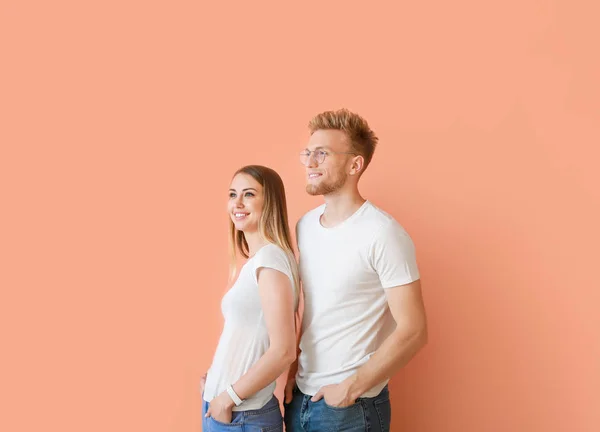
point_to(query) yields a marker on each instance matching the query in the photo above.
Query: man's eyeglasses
(319, 155)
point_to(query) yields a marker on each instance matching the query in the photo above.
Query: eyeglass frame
(307, 153)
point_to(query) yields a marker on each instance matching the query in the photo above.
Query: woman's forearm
(267, 369)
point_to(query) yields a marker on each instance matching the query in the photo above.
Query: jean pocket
(348, 408)
(384, 413)
(276, 428)
(350, 418)
(217, 426)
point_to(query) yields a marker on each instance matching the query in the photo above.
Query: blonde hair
(273, 224)
(362, 139)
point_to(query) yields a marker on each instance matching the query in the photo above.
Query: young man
(364, 317)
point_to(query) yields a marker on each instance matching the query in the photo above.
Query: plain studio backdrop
(121, 124)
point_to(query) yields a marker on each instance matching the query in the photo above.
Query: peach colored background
(122, 122)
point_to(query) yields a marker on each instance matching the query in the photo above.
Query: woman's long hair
(273, 223)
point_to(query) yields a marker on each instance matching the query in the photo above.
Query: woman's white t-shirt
(245, 338)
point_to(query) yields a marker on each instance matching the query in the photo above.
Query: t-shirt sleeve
(393, 256)
(272, 257)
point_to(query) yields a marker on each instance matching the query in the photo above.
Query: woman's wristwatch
(233, 395)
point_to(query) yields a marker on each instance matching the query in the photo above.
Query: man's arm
(407, 308)
(291, 378)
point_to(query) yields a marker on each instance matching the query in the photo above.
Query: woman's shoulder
(271, 250)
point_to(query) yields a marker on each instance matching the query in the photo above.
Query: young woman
(258, 342)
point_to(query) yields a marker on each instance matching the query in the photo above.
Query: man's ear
(358, 163)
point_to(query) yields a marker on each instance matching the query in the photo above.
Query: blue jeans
(366, 415)
(265, 419)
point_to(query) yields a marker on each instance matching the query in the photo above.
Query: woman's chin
(243, 227)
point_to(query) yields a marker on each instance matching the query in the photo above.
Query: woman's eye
(231, 195)
(250, 194)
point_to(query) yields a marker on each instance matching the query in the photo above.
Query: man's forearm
(395, 352)
(293, 370)
(294, 366)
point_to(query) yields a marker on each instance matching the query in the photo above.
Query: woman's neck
(255, 241)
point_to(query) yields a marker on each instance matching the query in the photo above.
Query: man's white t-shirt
(245, 338)
(345, 271)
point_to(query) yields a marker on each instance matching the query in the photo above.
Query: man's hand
(220, 408)
(335, 395)
(289, 389)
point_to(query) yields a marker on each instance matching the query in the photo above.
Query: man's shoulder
(377, 215)
(381, 222)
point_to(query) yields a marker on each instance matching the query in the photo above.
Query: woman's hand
(220, 408)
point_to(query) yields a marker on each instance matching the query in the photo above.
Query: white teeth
(239, 215)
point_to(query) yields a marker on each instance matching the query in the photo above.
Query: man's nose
(311, 161)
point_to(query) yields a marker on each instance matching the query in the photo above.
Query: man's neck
(340, 206)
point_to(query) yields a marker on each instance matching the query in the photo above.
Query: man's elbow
(422, 335)
(416, 335)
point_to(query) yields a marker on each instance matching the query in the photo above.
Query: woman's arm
(277, 302)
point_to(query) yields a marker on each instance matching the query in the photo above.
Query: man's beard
(324, 188)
